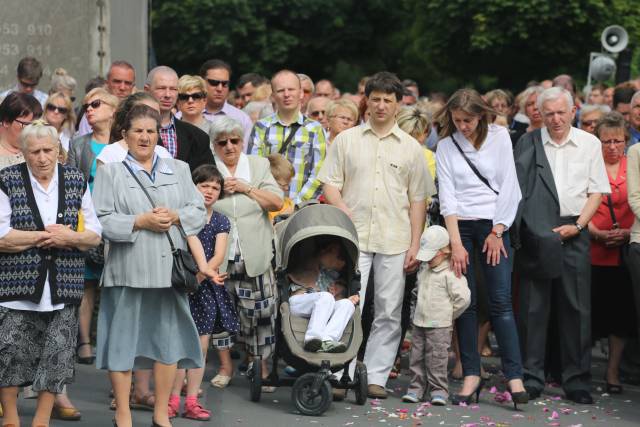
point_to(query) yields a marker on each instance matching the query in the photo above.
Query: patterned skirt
(38, 348)
(257, 302)
(214, 313)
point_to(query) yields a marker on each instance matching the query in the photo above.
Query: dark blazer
(193, 145)
(539, 211)
(81, 155)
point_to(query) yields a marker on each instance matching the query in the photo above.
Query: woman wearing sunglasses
(58, 112)
(99, 107)
(192, 99)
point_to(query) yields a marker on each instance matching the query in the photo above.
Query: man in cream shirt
(562, 177)
(376, 173)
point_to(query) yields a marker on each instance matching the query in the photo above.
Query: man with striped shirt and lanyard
(300, 139)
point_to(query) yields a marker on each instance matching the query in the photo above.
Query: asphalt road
(232, 407)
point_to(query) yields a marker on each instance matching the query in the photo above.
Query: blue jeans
(498, 283)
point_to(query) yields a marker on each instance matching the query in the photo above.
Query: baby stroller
(312, 390)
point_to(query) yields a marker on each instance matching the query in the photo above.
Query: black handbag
(184, 269)
(473, 167)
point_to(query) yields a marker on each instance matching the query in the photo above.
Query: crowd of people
(474, 212)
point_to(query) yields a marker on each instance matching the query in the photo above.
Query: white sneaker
(411, 397)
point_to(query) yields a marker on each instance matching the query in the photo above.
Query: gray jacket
(540, 254)
(81, 155)
(142, 258)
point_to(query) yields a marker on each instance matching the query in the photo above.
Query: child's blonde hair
(281, 168)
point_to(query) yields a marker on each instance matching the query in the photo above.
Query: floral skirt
(38, 348)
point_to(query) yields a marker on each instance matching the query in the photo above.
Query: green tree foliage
(443, 44)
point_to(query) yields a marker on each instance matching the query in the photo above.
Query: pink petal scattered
(402, 410)
(554, 415)
(556, 398)
(493, 390)
(463, 404)
(475, 407)
(554, 424)
(502, 397)
(565, 411)
(545, 409)
(375, 402)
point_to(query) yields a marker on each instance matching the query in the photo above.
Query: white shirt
(462, 193)
(577, 167)
(115, 152)
(47, 201)
(37, 94)
(84, 127)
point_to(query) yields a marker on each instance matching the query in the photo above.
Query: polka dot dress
(211, 307)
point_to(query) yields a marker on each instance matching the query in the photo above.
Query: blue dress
(211, 306)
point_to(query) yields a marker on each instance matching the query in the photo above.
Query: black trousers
(572, 309)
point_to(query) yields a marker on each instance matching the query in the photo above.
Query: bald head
(287, 92)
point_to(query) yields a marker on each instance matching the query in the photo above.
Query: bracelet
(249, 190)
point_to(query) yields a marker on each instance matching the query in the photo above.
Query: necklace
(11, 150)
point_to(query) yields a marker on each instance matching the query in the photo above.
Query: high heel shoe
(155, 424)
(457, 399)
(519, 397)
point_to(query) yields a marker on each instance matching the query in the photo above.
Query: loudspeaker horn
(603, 67)
(614, 39)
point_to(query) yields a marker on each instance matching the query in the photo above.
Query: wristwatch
(579, 227)
(498, 234)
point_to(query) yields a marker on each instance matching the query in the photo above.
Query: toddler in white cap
(442, 297)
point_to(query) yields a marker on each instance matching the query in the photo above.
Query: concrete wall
(82, 36)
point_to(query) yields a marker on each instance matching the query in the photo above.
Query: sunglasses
(55, 108)
(316, 113)
(93, 104)
(223, 142)
(589, 123)
(27, 84)
(195, 96)
(215, 83)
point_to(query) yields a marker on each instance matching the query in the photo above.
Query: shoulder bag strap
(611, 212)
(294, 128)
(173, 249)
(475, 170)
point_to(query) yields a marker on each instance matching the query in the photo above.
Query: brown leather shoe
(376, 392)
(65, 414)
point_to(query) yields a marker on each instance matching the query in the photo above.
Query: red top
(600, 254)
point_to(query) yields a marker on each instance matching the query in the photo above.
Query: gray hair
(60, 80)
(225, 125)
(163, 69)
(590, 108)
(552, 94)
(635, 97)
(525, 94)
(37, 130)
(304, 77)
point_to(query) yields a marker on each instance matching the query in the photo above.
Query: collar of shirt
(171, 125)
(158, 165)
(299, 120)
(441, 267)
(546, 138)
(53, 184)
(395, 131)
(243, 171)
(224, 110)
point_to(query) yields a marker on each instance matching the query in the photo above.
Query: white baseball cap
(432, 240)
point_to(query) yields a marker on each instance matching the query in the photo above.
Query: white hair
(552, 94)
(304, 77)
(38, 130)
(225, 125)
(635, 97)
(526, 94)
(590, 108)
(163, 69)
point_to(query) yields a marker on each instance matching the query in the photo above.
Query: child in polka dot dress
(211, 307)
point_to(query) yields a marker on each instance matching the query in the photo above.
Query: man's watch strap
(498, 234)
(579, 227)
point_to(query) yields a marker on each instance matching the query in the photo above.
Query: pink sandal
(194, 411)
(174, 406)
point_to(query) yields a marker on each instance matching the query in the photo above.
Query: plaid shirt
(306, 151)
(170, 137)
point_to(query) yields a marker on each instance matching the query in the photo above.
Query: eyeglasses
(94, 104)
(316, 113)
(195, 96)
(343, 118)
(613, 141)
(589, 123)
(225, 141)
(214, 83)
(28, 84)
(55, 108)
(22, 124)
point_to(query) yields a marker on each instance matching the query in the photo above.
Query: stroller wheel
(308, 402)
(362, 384)
(254, 374)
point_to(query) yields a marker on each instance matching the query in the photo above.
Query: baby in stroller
(318, 292)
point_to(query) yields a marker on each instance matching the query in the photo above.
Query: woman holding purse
(143, 321)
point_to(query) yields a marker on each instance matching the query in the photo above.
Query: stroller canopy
(315, 220)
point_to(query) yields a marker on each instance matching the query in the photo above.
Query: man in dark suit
(183, 140)
(562, 178)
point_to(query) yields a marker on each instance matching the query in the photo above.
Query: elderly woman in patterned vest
(46, 221)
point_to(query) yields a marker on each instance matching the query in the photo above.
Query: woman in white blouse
(479, 196)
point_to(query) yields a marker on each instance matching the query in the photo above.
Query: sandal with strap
(220, 381)
(194, 411)
(145, 403)
(84, 360)
(174, 406)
